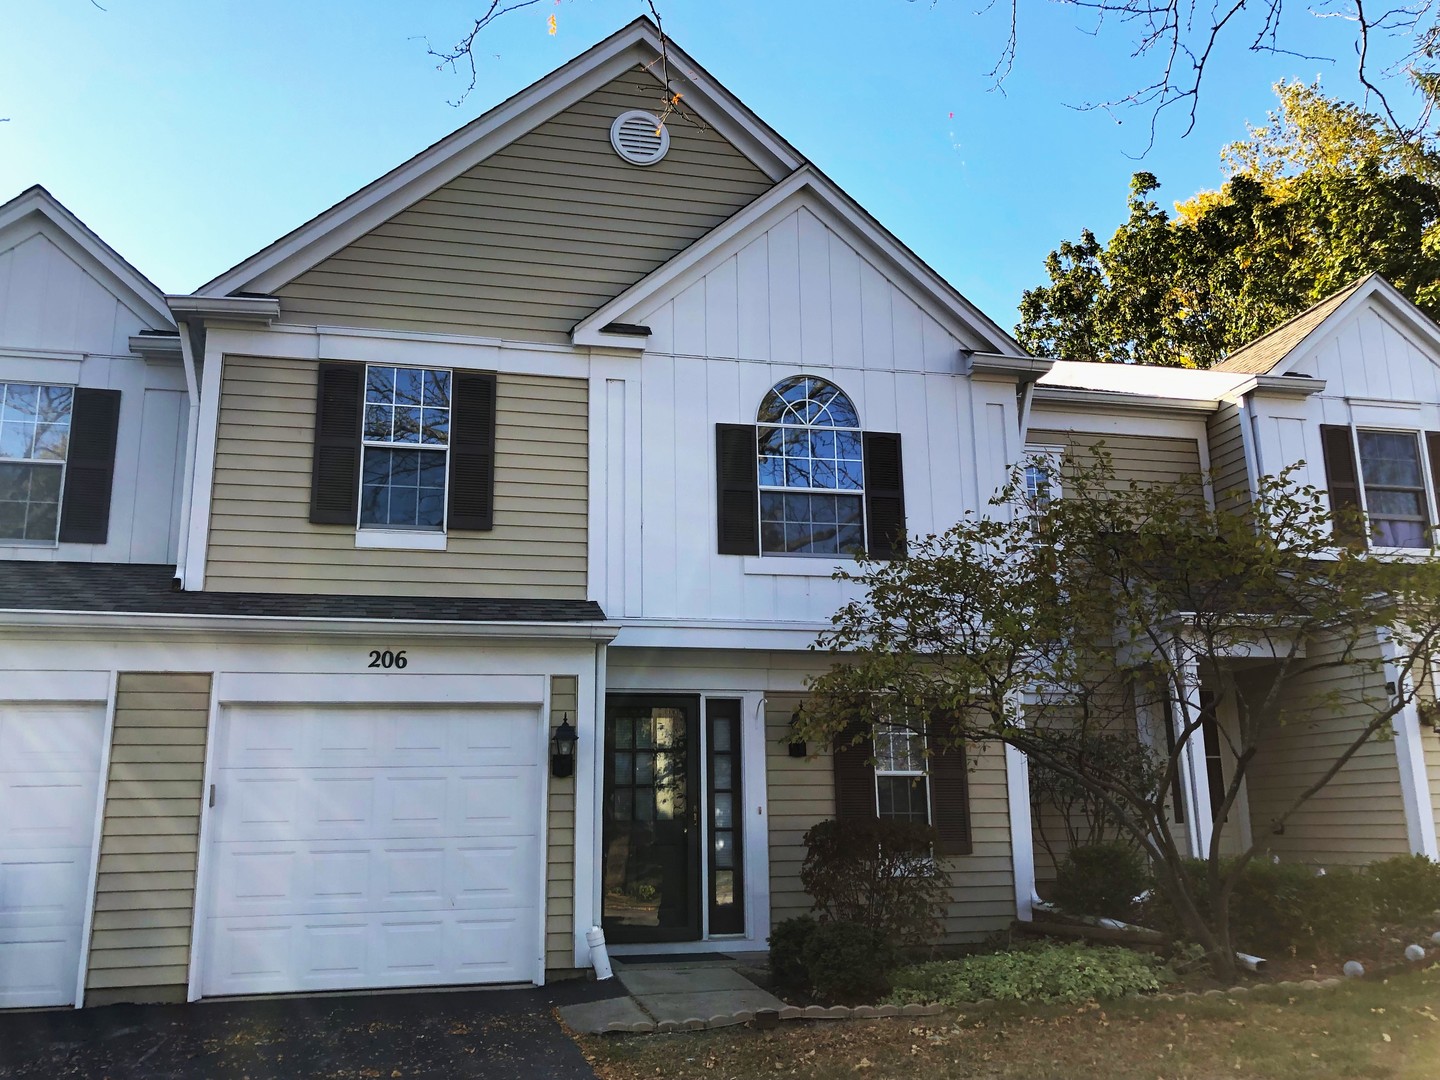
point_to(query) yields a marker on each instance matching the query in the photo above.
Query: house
(442, 582)
(1347, 394)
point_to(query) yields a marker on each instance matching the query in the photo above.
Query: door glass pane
(650, 833)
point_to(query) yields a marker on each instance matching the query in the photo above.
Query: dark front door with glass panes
(672, 841)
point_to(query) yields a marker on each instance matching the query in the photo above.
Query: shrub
(879, 874)
(1102, 879)
(848, 963)
(787, 952)
(1283, 909)
(1405, 889)
(1064, 973)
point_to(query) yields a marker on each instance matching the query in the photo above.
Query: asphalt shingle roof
(1263, 354)
(116, 588)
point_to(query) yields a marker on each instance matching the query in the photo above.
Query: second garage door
(373, 847)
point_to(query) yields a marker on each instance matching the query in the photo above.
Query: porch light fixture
(562, 749)
(797, 746)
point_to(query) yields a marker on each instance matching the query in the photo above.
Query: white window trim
(1054, 457)
(391, 536)
(923, 772)
(19, 543)
(1429, 483)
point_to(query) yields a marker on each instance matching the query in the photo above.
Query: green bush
(879, 874)
(848, 963)
(1060, 973)
(1405, 889)
(787, 952)
(1282, 909)
(1102, 879)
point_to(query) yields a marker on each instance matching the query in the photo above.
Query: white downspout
(192, 434)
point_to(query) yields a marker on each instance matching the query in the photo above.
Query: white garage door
(373, 846)
(49, 782)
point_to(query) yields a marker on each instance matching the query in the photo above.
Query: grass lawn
(1365, 1029)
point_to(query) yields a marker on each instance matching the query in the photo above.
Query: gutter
(272, 625)
(1069, 395)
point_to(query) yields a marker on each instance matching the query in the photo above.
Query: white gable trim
(36, 211)
(1414, 322)
(815, 192)
(462, 150)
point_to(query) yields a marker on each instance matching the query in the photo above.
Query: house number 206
(388, 659)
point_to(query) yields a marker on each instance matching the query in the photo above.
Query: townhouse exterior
(558, 429)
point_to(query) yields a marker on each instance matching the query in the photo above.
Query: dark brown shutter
(737, 489)
(884, 496)
(854, 775)
(1342, 481)
(335, 470)
(90, 466)
(472, 451)
(949, 790)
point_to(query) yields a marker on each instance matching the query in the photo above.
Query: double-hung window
(1394, 481)
(902, 782)
(34, 443)
(811, 470)
(406, 448)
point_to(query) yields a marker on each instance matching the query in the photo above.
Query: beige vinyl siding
(261, 538)
(1229, 474)
(560, 843)
(802, 792)
(145, 890)
(1154, 459)
(1359, 816)
(537, 236)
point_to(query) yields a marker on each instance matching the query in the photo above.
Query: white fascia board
(1115, 401)
(115, 274)
(1021, 368)
(809, 189)
(241, 309)
(277, 625)
(462, 150)
(156, 346)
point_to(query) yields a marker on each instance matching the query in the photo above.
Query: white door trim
(200, 909)
(102, 792)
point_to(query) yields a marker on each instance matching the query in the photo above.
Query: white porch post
(1194, 779)
(1022, 836)
(1410, 759)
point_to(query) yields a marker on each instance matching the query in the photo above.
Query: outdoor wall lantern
(562, 749)
(797, 746)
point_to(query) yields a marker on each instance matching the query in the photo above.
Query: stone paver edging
(882, 1012)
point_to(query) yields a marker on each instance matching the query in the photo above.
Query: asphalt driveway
(495, 1034)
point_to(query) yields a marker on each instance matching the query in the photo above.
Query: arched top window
(811, 470)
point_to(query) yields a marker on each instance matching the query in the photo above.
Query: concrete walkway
(676, 995)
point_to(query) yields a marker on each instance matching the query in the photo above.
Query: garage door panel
(39, 965)
(49, 738)
(48, 810)
(370, 847)
(43, 888)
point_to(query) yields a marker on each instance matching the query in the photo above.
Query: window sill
(796, 565)
(400, 540)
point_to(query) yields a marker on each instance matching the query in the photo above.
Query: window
(1394, 484)
(811, 470)
(1042, 476)
(34, 443)
(902, 788)
(406, 448)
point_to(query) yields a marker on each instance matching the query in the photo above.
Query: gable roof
(1264, 354)
(92, 253)
(639, 43)
(809, 187)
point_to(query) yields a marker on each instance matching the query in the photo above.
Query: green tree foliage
(1039, 625)
(1321, 195)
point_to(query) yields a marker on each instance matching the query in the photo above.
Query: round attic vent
(639, 138)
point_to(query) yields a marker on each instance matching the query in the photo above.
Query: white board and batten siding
(261, 538)
(61, 324)
(797, 298)
(1378, 374)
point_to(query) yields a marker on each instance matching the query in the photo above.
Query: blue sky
(191, 134)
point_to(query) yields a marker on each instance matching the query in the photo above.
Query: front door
(652, 825)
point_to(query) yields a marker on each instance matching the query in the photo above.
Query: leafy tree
(1041, 627)
(1321, 195)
